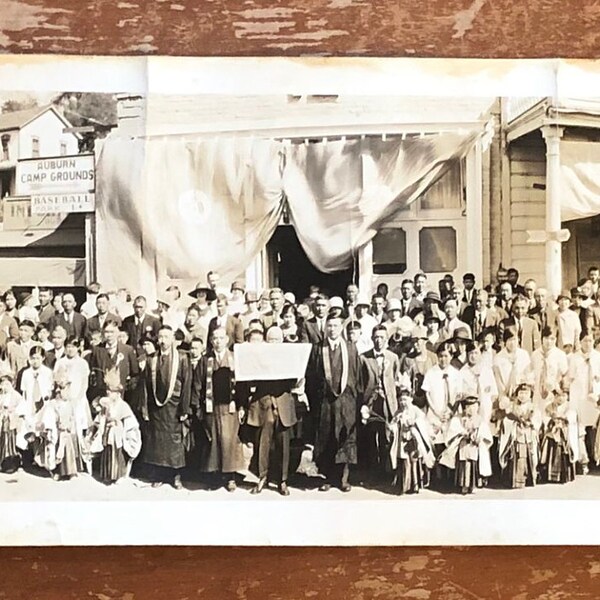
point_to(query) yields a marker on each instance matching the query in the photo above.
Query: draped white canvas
(174, 208)
(580, 179)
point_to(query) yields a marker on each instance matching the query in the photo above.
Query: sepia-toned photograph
(298, 298)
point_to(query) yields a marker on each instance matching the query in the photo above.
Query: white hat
(393, 304)
(362, 300)
(336, 302)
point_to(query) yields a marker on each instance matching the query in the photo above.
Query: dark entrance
(292, 271)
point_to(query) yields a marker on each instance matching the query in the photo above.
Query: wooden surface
(453, 28)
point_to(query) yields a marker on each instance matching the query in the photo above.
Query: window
(5, 153)
(63, 148)
(446, 192)
(437, 249)
(35, 147)
(389, 251)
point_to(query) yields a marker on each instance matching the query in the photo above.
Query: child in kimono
(12, 423)
(411, 449)
(468, 444)
(58, 450)
(560, 440)
(115, 434)
(518, 443)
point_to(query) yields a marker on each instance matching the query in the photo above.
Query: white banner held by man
(266, 362)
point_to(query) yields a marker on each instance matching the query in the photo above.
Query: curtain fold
(341, 192)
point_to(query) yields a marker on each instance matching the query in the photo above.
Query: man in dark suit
(479, 317)
(103, 316)
(72, 322)
(381, 371)
(469, 290)
(232, 325)
(333, 383)
(110, 355)
(410, 304)
(140, 324)
(543, 313)
(46, 310)
(276, 300)
(58, 338)
(313, 329)
(524, 327)
(271, 409)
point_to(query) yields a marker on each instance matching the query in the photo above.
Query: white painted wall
(48, 128)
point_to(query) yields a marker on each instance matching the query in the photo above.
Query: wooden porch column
(552, 134)
(474, 198)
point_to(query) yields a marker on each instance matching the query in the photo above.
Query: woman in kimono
(12, 422)
(59, 449)
(115, 434)
(76, 369)
(518, 443)
(560, 440)
(468, 444)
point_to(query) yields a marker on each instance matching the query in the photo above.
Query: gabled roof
(19, 118)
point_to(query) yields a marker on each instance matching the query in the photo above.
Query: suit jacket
(545, 318)
(371, 379)
(493, 318)
(531, 332)
(18, 355)
(269, 319)
(47, 313)
(271, 394)
(93, 323)
(51, 358)
(9, 326)
(149, 326)
(310, 332)
(233, 327)
(77, 328)
(415, 306)
(101, 361)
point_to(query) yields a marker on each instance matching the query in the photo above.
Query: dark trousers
(273, 444)
(161, 473)
(377, 449)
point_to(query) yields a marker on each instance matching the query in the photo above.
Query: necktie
(590, 373)
(37, 392)
(446, 390)
(520, 332)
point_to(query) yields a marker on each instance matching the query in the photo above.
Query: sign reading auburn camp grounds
(60, 184)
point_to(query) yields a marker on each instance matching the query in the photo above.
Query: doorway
(291, 270)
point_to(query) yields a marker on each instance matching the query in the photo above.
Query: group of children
(45, 426)
(530, 446)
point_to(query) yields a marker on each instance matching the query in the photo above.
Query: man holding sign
(272, 411)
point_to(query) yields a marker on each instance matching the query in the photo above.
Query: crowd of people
(451, 388)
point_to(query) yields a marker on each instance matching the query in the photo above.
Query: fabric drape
(579, 179)
(175, 208)
(341, 192)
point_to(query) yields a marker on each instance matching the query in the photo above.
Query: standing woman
(290, 327)
(10, 300)
(77, 372)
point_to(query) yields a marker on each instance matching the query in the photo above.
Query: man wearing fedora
(140, 324)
